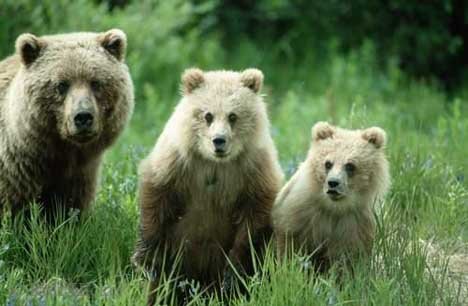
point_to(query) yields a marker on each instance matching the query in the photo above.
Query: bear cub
(326, 210)
(64, 99)
(208, 187)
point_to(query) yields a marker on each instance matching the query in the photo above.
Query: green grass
(87, 262)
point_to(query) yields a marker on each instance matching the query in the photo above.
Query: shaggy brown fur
(202, 201)
(331, 221)
(45, 155)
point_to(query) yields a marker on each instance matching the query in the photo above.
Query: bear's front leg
(253, 231)
(159, 208)
(68, 196)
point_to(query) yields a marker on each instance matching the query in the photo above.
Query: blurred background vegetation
(401, 65)
(427, 39)
(310, 47)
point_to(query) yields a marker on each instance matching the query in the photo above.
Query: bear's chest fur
(207, 227)
(210, 198)
(338, 235)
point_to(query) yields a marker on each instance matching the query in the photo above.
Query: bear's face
(77, 84)
(348, 166)
(224, 111)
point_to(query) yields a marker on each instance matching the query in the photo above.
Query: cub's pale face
(346, 170)
(338, 179)
(349, 166)
(223, 128)
(227, 109)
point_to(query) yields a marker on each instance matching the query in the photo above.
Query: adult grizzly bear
(64, 99)
(210, 181)
(327, 207)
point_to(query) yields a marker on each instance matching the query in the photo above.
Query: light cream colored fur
(207, 204)
(453, 264)
(305, 215)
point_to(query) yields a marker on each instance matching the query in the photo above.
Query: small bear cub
(326, 210)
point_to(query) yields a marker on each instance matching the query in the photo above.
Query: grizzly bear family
(209, 191)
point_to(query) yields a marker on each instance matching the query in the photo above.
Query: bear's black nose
(83, 120)
(333, 183)
(219, 143)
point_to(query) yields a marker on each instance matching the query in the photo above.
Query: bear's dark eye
(209, 118)
(62, 87)
(95, 85)
(328, 165)
(232, 118)
(350, 168)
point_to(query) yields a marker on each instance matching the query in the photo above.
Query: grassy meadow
(87, 261)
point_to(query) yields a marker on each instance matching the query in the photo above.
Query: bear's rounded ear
(253, 79)
(375, 136)
(322, 130)
(115, 42)
(192, 79)
(29, 47)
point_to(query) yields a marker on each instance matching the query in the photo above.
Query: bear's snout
(83, 121)
(83, 116)
(219, 143)
(335, 188)
(333, 183)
